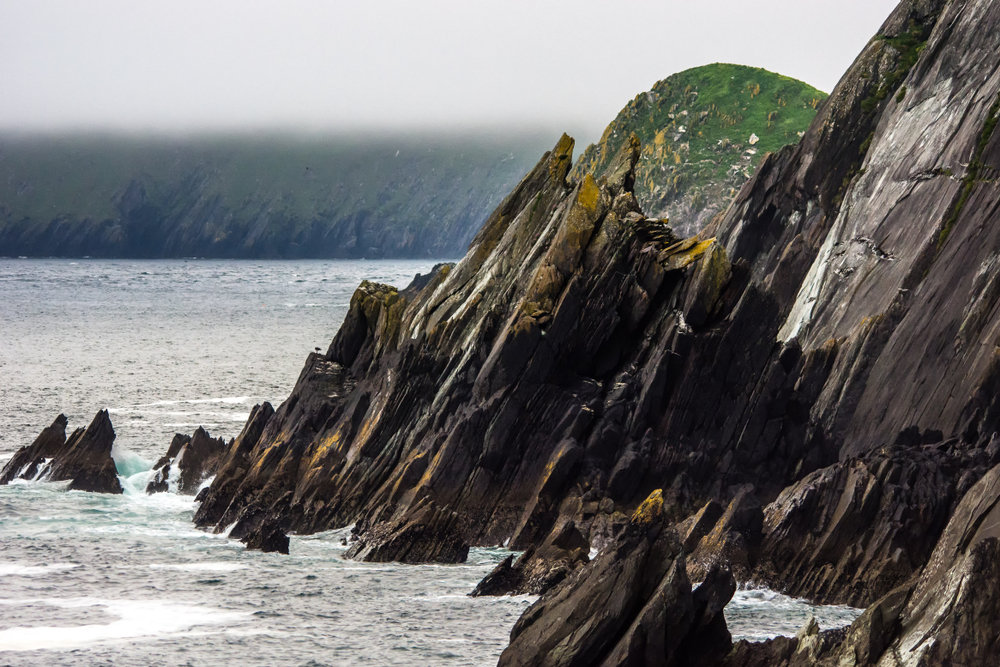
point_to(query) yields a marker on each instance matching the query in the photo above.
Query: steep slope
(827, 346)
(703, 131)
(277, 197)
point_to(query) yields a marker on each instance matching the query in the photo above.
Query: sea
(168, 346)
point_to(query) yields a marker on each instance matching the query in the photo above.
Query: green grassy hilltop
(703, 131)
(254, 196)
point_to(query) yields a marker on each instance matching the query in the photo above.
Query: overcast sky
(183, 65)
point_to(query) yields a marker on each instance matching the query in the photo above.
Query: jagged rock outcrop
(413, 381)
(189, 461)
(232, 467)
(31, 462)
(632, 605)
(733, 542)
(537, 570)
(84, 459)
(267, 537)
(425, 534)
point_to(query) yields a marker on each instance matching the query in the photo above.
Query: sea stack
(84, 459)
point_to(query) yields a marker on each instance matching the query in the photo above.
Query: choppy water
(90, 579)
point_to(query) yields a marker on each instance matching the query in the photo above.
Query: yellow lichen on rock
(683, 253)
(562, 158)
(650, 510)
(590, 193)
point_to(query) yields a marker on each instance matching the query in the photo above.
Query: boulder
(84, 459)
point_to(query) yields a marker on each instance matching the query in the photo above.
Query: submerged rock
(190, 460)
(84, 459)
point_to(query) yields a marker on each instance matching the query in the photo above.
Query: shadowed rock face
(856, 530)
(84, 459)
(949, 615)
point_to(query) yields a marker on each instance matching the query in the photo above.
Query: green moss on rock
(703, 131)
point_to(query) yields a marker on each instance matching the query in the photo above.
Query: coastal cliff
(259, 197)
(821, 360)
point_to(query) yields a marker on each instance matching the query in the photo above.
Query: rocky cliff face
(826, 349)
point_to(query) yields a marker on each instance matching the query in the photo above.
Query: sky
(179, 66)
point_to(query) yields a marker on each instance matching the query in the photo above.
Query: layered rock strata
(84, 459)
(949, 615)
(632, 606)
(826, 348)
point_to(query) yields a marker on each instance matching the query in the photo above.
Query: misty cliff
(253, 197)
(703, 133)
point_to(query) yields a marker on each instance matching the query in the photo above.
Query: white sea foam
(757, 614)
(231, 400)
(200, 567)
(136, 618)
(18, 570)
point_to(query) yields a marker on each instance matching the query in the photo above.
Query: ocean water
(167, 346)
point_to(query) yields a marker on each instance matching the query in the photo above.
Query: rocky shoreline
(802, 396)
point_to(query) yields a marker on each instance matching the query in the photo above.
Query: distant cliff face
(703, 132)
(253, 197)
